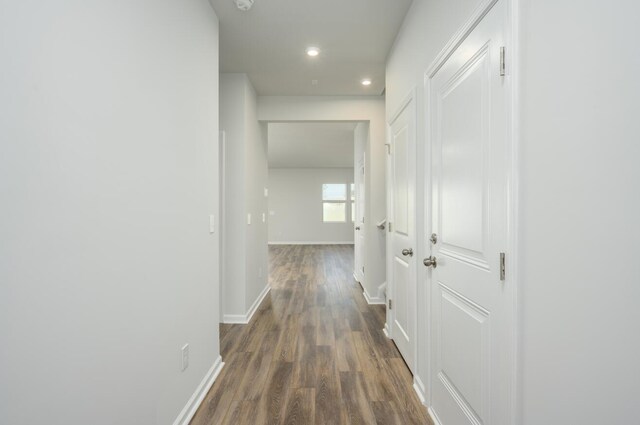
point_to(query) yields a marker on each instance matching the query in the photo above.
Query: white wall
(245, 254)
(108, 159)
(295, 205)
(232, 122)
(428, 26)
(256, 179)
(348, 108)
(579, 210)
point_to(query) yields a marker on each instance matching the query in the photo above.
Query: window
(334, 203)
(353, 203)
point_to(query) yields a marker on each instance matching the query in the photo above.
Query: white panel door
(470, 304)
(403, 232)
(359, 236)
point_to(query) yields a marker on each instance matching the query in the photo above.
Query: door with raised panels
(470, 315)
(403, 232)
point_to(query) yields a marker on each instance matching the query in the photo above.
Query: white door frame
(359, 237)
(222, 161)
(411, 97)
(511, 79)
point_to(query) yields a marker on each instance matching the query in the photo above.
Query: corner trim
(372, 300)
(257, 302)
(243, 319)
(418, 387)
(239, 319)
(433, 416)
(385, 330)
(198, 396)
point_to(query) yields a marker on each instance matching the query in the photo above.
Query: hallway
(314, 352)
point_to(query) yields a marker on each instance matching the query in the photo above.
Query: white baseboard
(382, 291)
(240, 319)
(373, 300)
(243, 319)
(433, 417)
(386, 330)
(194, 402)
(257, 302)
(312, 243)
(418, 387)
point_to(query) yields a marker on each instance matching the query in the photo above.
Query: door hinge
(390, 304)
(389, 227)
(503, 267)
(363, 270)
(388, 145)
(502, 62)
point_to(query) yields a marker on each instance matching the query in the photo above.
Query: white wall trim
(312, 243)
(433, 416)
(418, 387)
(194, 402)
(239, 319)
(257, 302)
(372, 300)
(513, 72)
(385, 330)
(382, 290)
(243, 319)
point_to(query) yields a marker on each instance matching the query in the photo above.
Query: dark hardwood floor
(314, 352)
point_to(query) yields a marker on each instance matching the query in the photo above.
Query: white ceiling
(269, 41)
(304, 145)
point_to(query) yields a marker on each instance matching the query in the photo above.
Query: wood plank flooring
(314, 352)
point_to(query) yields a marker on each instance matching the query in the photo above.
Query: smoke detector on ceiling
(243, 5)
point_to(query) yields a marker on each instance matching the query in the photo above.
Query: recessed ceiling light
(313, 51)
(366, 82)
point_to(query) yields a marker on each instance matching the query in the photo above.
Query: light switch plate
(266, 192)
(264, 218)
(249, 218)
(212, 224)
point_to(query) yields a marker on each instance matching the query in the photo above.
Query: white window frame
(331, 201)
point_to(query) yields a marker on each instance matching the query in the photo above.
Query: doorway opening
(316, 186)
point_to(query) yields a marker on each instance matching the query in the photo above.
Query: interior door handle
(357, 227)
(408, 252)
(430, 262)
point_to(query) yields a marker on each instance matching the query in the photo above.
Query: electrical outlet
(185, 357)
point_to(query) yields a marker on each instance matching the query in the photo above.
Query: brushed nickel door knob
(430, 262)
(407, 251)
